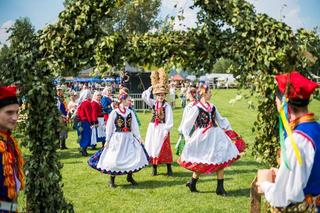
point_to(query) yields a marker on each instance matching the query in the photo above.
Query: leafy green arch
(260, 45)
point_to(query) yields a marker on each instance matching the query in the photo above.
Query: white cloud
(174, 7)
(287, 11)
(3, 31)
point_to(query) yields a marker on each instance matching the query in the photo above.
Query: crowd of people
(207, 143)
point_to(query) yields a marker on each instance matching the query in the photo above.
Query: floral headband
(123, 96)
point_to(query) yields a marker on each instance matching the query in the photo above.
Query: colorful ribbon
(284, 122)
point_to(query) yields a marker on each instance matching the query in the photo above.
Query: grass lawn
(87, 189)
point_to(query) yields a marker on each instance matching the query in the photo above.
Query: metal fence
(139, 104)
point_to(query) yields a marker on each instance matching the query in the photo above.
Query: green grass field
(87, 189)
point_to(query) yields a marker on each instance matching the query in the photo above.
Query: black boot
(169, 170)
(84, 152)
(111, 182)
(193, 185)
(220, 190)
(131, 180)
(154, 170)
(63, 144)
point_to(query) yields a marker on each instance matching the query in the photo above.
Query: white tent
(191, 77)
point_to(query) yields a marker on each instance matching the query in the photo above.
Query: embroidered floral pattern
(158, 114)
(123, 124)
(203, 119)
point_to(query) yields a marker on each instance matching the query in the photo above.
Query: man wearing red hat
(11, 160)
(297, 183)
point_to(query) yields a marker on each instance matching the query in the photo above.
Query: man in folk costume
(157, 142)
(11, 160)
(297, 183)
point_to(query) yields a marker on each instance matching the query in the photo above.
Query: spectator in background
(106, 102)
(63, 118)
(172, 95)
(84, 112)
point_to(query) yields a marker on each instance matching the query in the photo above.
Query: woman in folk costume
(106, 102)
(99, 131)
(208, 149)
(157, 140)
(123, 152)
(297, 182)
(84, 113)
(191, 96)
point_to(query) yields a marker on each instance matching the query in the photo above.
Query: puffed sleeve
(135, 126)
(289, 184)
(169, 117)
(146, 97)
(222, 122)
(185, 113)
(189, 122)
(110, 125)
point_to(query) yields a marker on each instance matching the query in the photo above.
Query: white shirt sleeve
(135, 126)
(110, 125)
(289, 184)
(185, 112)
(146, 97)
(169, 117)
(189, 122)
(222, 122)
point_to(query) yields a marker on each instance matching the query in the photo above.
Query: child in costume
(191, 96)
(208, 149)
(123, 152)
(157, 140)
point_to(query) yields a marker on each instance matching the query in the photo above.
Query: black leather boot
(220, 189)
(111, 182)
(169, 170)
(63, 144)
(84, 152)
(193, 185)
(154, 170)
(131, 180)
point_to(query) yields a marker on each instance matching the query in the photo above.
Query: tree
(138, 16)
(223, 66)
(22, 61)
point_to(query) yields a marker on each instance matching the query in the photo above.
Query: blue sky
(298, 13)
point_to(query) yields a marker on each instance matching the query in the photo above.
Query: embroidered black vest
(203, 119)
(160, 114)
(123, 124)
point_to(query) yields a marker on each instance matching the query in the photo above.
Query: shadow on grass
(247, 163)
(153, 184)
(230, 193)
(240, 171)
(69, 153)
